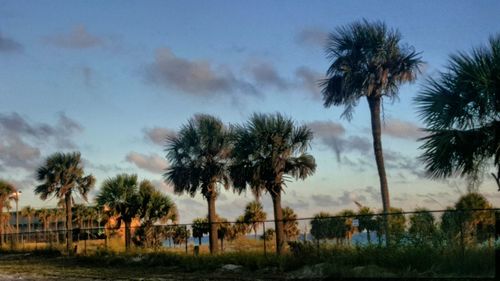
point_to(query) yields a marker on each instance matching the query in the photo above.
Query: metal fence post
(187, 238)
(264, 236)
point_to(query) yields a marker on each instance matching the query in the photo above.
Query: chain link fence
(462, 229)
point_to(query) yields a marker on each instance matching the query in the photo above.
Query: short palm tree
(29, 213)
(268, 150)
(6, 190)
(461, 111)
(62, 176)
(368, 60)
(290, 224)
(254, 215)
(121, 195)
(198, 157)
(366, 221)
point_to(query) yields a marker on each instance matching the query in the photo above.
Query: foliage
(290, 224)
(422, 228)
(268, 234)
(254, 215)
(200, 227)
(461, 111)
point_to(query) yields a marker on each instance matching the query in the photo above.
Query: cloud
(398, 161)
(152, 162)
(309, 80)
(21, 138)
(323, 200)
(196, 77)
(331, 134)
(157, 135)
(9, 45)
(163, 186)
(402, 129)
(265, 74)
(77, 38)
(345, 199)
(310, 36)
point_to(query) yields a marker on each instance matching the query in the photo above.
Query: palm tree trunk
(374, 103)
(69, 233)
(127, 234)
(29, 224)
(213, 227)
(368, 236)
(278, 221)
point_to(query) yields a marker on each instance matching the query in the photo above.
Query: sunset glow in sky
(113, 78)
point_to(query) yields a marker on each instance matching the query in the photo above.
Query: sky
(112, 79)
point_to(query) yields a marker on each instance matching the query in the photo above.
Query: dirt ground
(27, 267)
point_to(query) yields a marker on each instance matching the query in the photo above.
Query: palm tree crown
(461, 110)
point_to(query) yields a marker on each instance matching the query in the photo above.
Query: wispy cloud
(265, 75)
(309, 80)
(157, 135)
(77, 38)
(21, 138)
(152, 162)
(332, 135)
(311, 36)
(9, 45)
(196, 77)
(402, 129)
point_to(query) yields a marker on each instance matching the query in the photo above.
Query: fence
(438, 228)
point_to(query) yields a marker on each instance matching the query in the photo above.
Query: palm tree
(366, 221)
(368, 60)
(200, 227)
(198, 156)
(460, 110)
(62, 176)
(254, 215)
(29, 213)
(290, 224)
(79, 214)
(6, 190)
(422, 226)
(121, 195)
(268, 150)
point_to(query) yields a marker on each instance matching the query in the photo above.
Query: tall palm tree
(29, 213)
(268, 150)
(254, 215)
(6, 190)
(121, 195)
(368, 60)
(461, 111)
(198, 156)
(62, 176)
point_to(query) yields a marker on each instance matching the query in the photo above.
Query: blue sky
(109, 78)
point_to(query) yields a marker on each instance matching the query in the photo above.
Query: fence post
(264, 236)
(187, 238)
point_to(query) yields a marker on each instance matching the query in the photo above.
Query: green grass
(335, 261)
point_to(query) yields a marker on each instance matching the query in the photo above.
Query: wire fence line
(470, 227)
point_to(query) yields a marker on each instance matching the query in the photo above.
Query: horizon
(110, 81)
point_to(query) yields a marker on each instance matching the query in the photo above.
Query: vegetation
(254, 215)
(267, 150)
(198, 157)
(460, 110)
(62, 176)
(368, 60)
(6, 190)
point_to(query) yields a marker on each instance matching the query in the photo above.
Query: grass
(331, 260)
